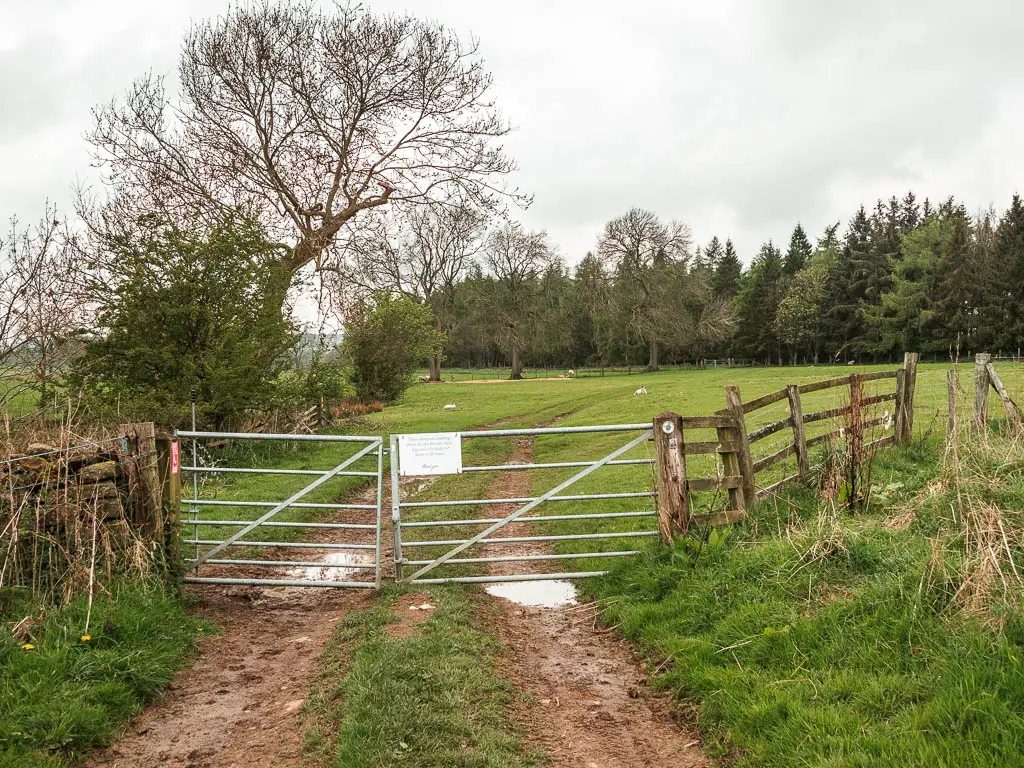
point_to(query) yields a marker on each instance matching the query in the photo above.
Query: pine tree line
(905, 276)
(902, 276)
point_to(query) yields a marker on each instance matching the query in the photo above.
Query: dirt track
(238, 706)
(588, 704)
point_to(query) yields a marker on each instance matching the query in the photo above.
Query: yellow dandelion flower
(27, 646)
(86, 638)
(199, 629)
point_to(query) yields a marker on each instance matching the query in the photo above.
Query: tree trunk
(434, 364)
(516, 366)
(652, 363)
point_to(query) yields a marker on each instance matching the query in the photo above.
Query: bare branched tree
(646, 255)
(303, 119)
(42, 308)
(422, 255)
(516, 259)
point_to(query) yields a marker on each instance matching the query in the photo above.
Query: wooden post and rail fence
(733, 445)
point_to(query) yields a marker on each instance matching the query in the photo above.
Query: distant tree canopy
(183, 312)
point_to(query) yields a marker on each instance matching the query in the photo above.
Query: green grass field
(857, 657)
(854, 658)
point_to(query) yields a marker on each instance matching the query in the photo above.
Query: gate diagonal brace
(539, 500)
(285, 504)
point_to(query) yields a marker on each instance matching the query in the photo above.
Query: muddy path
(588, 703)
(240, 704)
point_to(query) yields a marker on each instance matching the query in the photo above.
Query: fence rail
(741, 474)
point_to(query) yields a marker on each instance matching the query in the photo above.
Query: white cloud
(738, 117)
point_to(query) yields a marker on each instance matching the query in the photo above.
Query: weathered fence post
(906, 383)
(670, 460)
(981, 362)
(146, 495)
(856, 425)
(1012, 414)
(951, 403)
(734, 405)
(796, 410)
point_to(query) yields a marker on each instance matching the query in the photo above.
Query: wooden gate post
(734, 405)
(169, 465)
(670, 460)
(981, 383)
(796, 410)
(898, 430)
(856, 423)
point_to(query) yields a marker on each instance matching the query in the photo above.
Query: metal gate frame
(397, 505)
(374, 445)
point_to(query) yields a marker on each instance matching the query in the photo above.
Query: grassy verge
(62, 691)
(427, 697)
(813, 640)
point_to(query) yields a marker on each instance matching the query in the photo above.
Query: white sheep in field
(571, 373)
(450, 407)
(641, 391)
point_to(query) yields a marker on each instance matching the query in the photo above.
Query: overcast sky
(738, 117)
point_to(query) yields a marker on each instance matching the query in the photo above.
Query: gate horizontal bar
(507, 539)
(299, 504)
(539, 519)
(258, 471)
(292, 544)
(523, 500)
(645, 435)
(278, 524)
(276, 436)
(513, 577)
(554, 465)
(279, 582)
(292, 564)
(555, 430)
(525, 558)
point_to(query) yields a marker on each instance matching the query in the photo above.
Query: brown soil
(240, 704)
(411, 610)
(589, 705)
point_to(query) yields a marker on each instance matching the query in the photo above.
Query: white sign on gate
(430, 453)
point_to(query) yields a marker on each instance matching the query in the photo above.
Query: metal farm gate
(347, 549)
(420, 549)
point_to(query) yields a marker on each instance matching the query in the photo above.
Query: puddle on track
(544, 593)
(333, 568)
